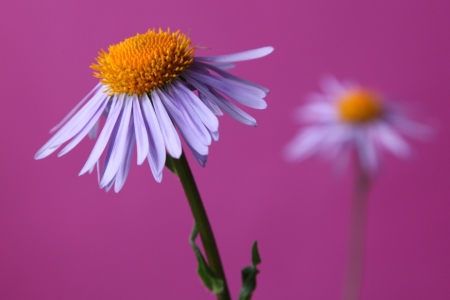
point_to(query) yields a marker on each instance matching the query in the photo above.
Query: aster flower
(347, 118)
(151, 84)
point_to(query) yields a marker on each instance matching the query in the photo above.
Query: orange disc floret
(359, 106)
(140, 63)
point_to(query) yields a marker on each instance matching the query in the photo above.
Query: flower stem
(201, 219)
(356, 245)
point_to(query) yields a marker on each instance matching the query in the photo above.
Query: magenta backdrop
(61, 237)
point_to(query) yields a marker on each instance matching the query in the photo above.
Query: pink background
(61, 237)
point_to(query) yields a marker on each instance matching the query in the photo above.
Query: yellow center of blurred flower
(143, 62)
(359, 106)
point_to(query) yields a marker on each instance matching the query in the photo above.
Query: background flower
(75, 241)
(347, 117)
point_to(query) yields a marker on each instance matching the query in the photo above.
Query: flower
(151, 84)
(348, 118)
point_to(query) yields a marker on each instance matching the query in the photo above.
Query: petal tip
(269, 49)
(158, 177)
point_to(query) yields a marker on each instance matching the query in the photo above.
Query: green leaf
(210, 280)
(170, 165)
(256, 259)
(249, 275)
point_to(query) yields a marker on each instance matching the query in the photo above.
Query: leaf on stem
(249, 275)
(210, 280)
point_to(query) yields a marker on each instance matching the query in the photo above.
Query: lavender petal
(104, 135)
(157, 152)
(75, 109)
(181, 123)
(170, 135)
(222, 73)
(142, 143)
(118, 152)
(202, 111)
(242, 93)
(211, 105)
(224, 104)
(94, 130)
(240, 56)
(191, 118)
(87, 128)
(72, 127)
(122, 173)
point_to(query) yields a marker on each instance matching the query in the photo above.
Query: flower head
(346, 118)
(151, 84)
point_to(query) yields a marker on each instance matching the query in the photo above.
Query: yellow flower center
(143, 62)
(359, 106)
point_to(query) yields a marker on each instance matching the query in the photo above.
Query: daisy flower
(348, 118)
(150, 86)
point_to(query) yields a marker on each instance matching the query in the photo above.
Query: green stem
(182, 169)
(357, 239)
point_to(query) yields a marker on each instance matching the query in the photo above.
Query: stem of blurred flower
(356, 245)
(201, 219)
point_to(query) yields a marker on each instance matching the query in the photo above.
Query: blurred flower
(146, 88)
(346, 118)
